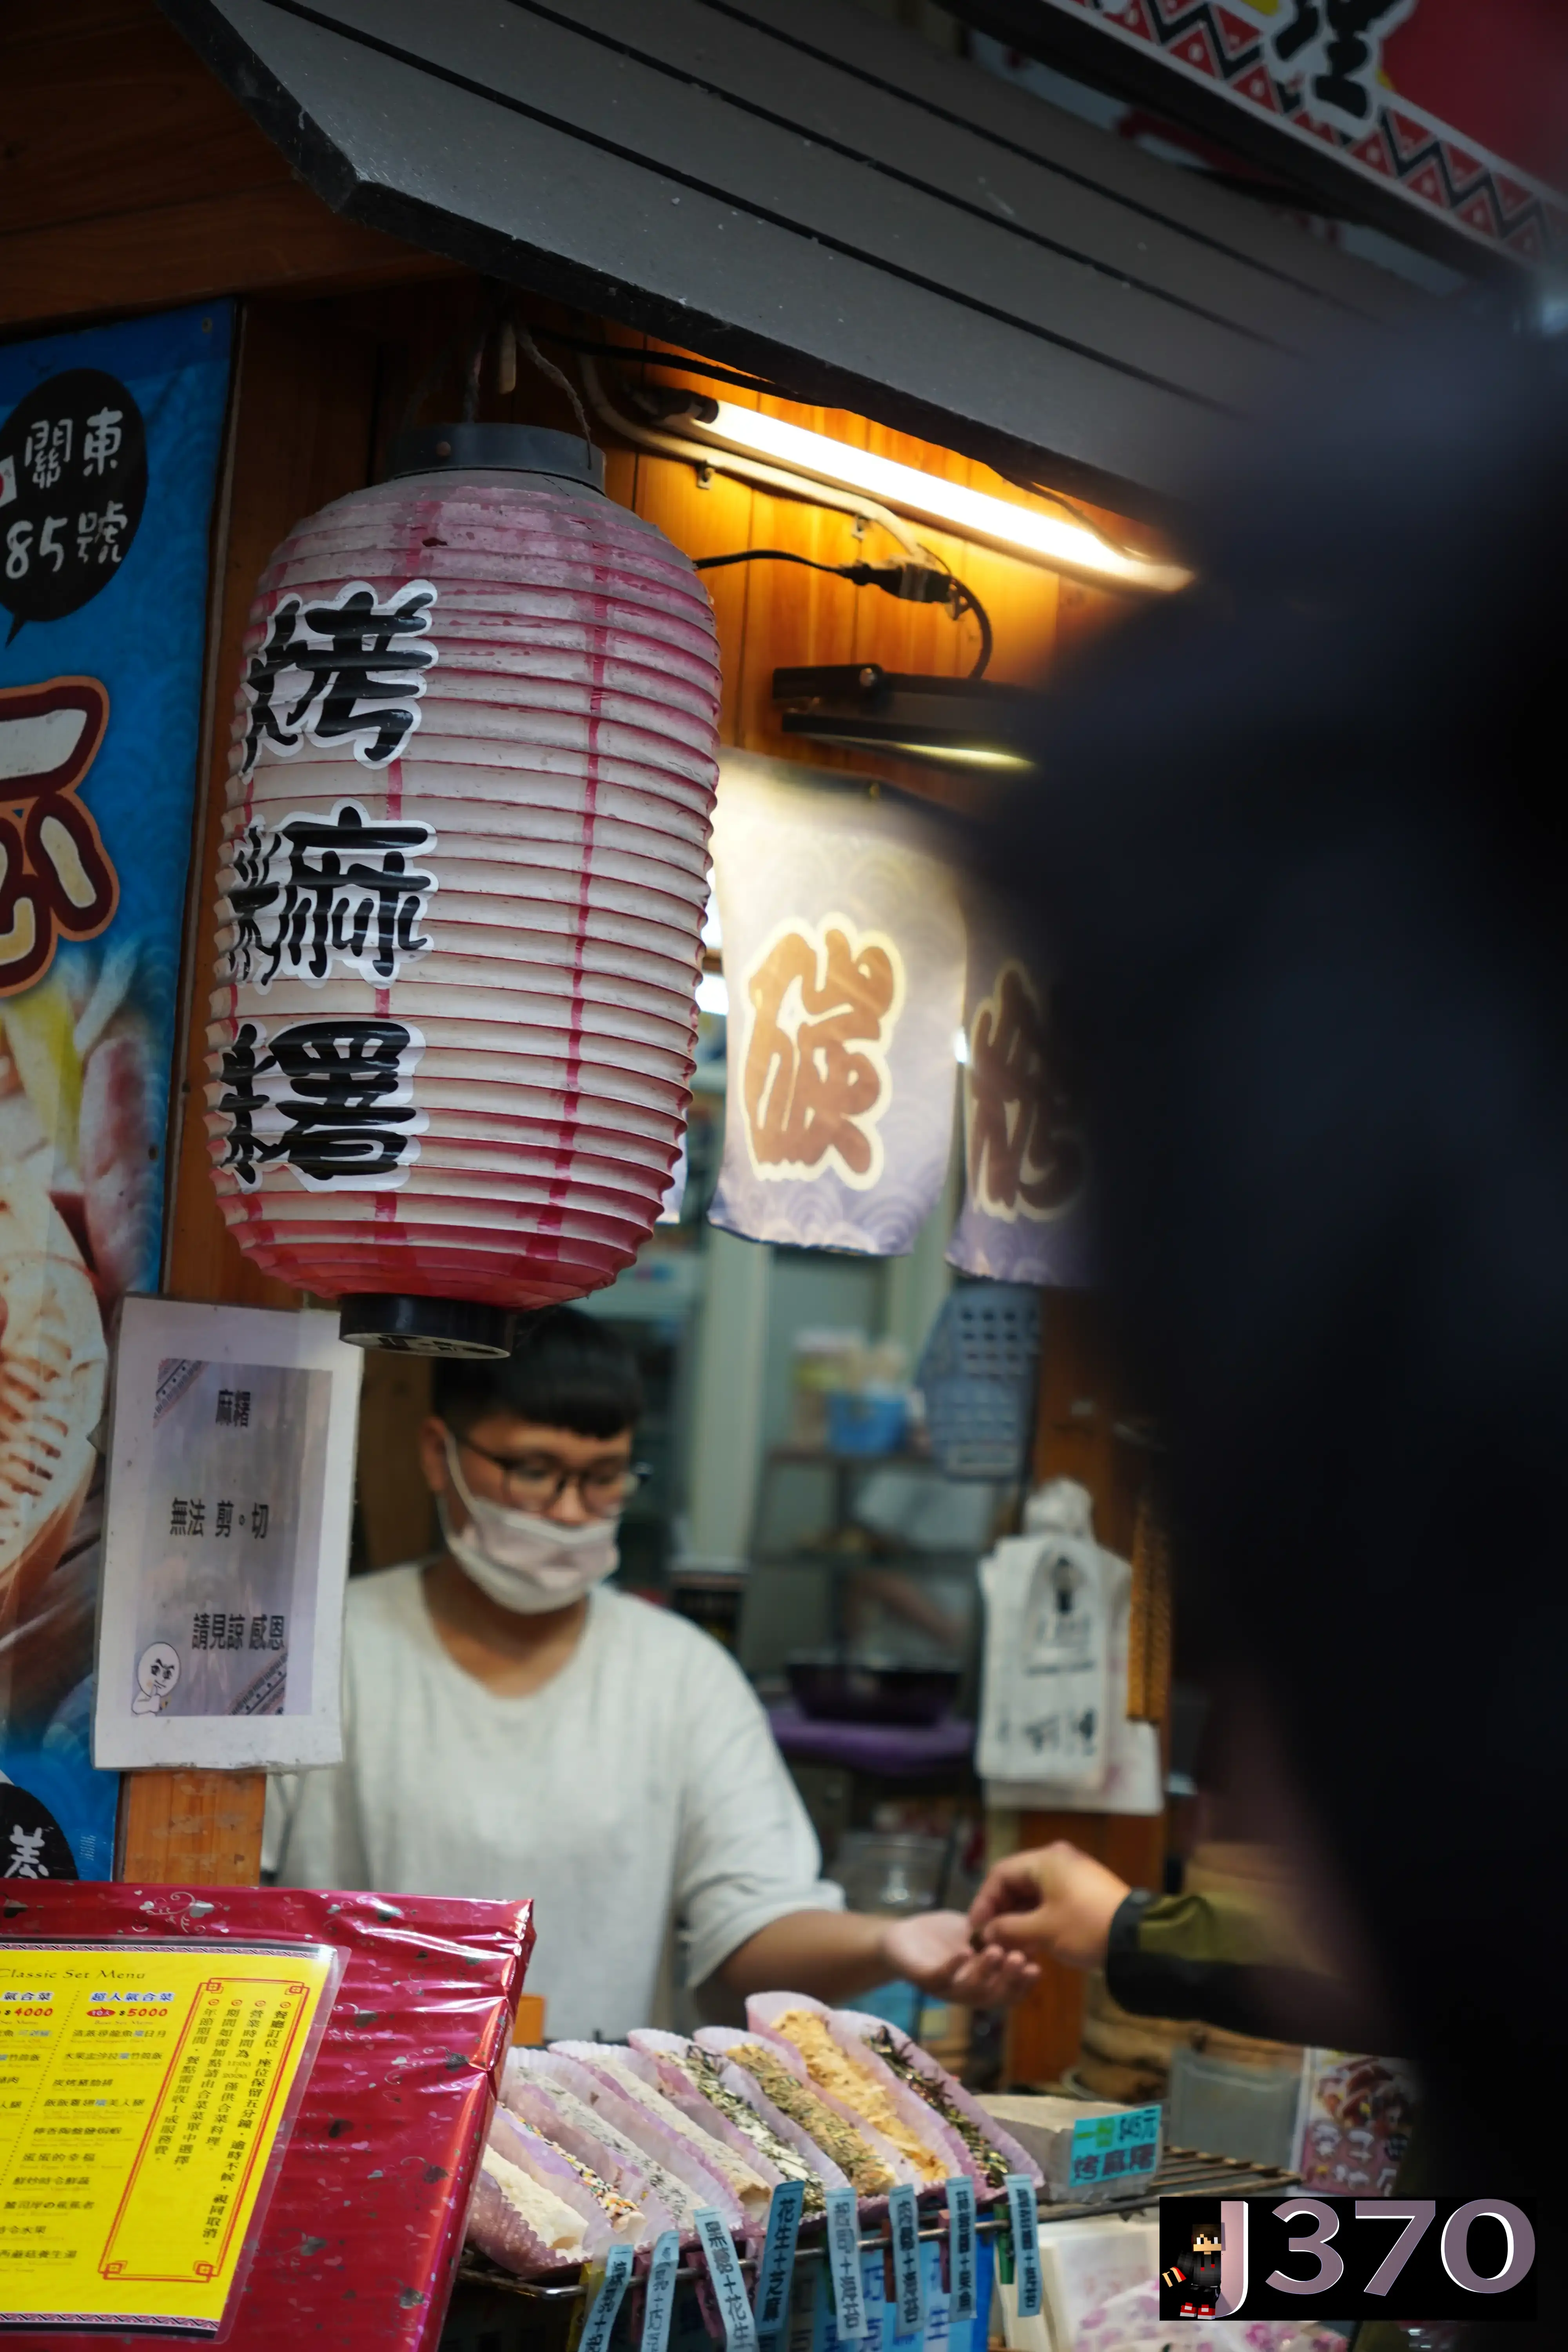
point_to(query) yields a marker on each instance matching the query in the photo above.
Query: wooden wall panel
(397, 1509)
(1083, 1404)
(130, 179)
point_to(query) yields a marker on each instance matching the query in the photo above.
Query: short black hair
(567, 1371)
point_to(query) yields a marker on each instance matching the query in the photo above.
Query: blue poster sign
(110, 442)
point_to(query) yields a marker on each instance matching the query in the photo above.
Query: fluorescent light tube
(1048, 539)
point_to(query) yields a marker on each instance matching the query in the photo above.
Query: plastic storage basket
(977, 1376)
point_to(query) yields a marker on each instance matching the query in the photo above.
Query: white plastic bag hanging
(1050, 1598)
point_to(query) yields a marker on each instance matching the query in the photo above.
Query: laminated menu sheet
(143, 2091)
(247, 2115)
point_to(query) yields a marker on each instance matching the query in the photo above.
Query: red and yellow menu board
(143, 2088)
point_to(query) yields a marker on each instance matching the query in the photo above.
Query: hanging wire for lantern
(977, 1376)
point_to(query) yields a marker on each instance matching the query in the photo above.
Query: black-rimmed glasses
(535, 1484)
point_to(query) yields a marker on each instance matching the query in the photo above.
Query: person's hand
(1053, 1901)
(932, 1949)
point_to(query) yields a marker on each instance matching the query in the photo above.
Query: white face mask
(522, 1561)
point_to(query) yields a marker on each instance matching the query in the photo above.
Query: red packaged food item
(357, 2244)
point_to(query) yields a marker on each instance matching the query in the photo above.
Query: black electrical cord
(964, 600)
(775, 555)
(912, 583)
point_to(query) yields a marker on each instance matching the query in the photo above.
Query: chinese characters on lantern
(349, 670)
(56, 879)
(332, 1099)
(822, 1005)
(309, 895)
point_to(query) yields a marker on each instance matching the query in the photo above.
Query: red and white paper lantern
(462, 892)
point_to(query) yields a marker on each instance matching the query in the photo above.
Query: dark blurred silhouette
(1299, 855)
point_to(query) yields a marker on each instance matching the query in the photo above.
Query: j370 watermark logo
(1311, 2258)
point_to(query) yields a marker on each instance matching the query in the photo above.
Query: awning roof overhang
(800, 188)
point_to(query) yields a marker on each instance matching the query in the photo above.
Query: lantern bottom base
(410, 1326)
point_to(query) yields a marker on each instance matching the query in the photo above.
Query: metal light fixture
(1043, 538)
(949, 722)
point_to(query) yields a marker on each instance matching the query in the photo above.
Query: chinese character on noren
(259, 1515)
(816, 1078)
(197, 1515)
(1026, 1149)
(355, 667)
(179, 1517)
(201, 1630)
(275, 1632)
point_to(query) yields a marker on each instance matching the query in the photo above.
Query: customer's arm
(1233, 1960)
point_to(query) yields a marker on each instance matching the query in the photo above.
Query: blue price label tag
(777, 2268)
(908, 2294)
(961, 2245)
(729, 2287)
(1115, 2147)
(607, 2302)
(660, 2300)
(1026, 2219)
(844, 2262)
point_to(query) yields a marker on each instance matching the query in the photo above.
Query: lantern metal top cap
(496, 448)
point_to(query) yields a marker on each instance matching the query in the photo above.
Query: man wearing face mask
(513, 1727)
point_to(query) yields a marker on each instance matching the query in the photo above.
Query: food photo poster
(110, 447)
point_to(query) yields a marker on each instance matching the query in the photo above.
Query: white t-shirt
(640, 1783)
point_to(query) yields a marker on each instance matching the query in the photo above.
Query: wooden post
(300, 434)
(1081, 1406)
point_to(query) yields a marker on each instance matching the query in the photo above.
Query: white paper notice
(230, 1484)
